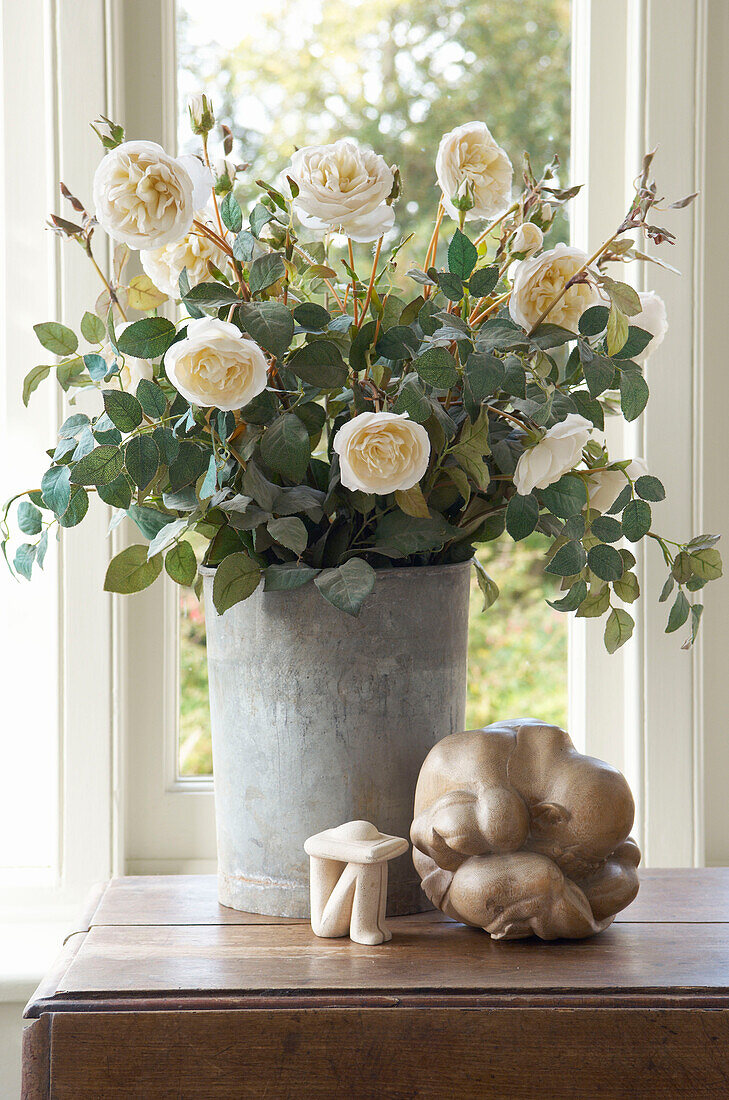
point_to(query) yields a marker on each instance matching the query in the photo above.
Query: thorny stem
(370, 288)
(433, 246)
(354, 287)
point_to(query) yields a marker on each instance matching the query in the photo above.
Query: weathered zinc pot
(320, 718)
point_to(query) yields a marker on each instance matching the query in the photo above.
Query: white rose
(164, 265)
(380, 452)
(343, 187)
(605, 485)
(131, 372)
(214, 365)
(653, 319)
(145, 198)
(528, 238)
(469, 155)
(538, 281)
(557, 452)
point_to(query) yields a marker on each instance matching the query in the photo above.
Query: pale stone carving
(349, 881)
(518, 833)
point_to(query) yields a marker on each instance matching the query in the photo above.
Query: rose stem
(489, 228)
(595, 256)
(338, 299)
(107, 284)
(370, 288)
(354, 287)
(474, 320)
(215, 197)
(433, 246)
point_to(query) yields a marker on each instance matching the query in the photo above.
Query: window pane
(395, 75)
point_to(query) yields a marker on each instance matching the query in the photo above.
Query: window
(396, 76)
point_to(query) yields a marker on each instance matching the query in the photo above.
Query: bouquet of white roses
(313, 423)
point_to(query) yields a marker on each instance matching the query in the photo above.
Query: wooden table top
(165, 941)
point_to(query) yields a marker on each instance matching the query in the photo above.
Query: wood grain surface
(371, 1054)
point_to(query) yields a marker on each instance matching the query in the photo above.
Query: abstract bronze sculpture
(519, 834)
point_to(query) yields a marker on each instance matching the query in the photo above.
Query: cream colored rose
(343, 188)
(652, 318)
(214, 365)
(557, 452)
(469, 157)
(605, 485)
(145, 198)
(131, 371)
(381, 452)
(193, 251)
(538, 281)
(528, 239)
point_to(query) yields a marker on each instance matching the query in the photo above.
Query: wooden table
(164, 993)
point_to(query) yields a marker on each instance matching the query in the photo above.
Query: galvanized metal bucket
(319, 718)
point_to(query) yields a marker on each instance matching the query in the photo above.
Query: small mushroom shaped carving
(518, 833)
(348, 881)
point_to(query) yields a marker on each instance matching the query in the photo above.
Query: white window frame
(636, 81)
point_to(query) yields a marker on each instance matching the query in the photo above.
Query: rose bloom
(145, 198)
(556, 453)
(653, 319)
(528, 239)
(343, 188)
(131, 372)
(605, 485)
(164, 265)
(381, 452)
(538, 281)
(214, 365)
(469, 155)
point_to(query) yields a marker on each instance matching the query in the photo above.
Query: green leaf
(312, 316)
(141, 458)
(706, 564)
(594, 320)
(236, 578)
(167, 443)
(638, 340)
(319, 363)
(697, 610)
(618, 629)
(191, 461)
(24, 558)
(596, 604)
(599, 374)
(484, 374)
(627, 588)
(589, 408)
(679, 613)
(97, 367)
(30, 519)
(151, 398)
(149, 521)
(634, 394)
(58, 339)
(667, 589)
(123, 409)
(462, 255)
(399, 342)
(117, 493)
(636, 520)
(623, 296)
(288, 576)
(472, 448)
(400, 535)
(451, 285)
(573, 599)
(412, 400)
(551, 336)
(566, 497)
(244, 246)
(147, 339)
(649, 488)
(92, 328)
(269, 323)
(437, 367)
(260, 216)
(347, 586)
(605, 562)
(522, 513)
(211, 296)
(285, 447)
(412, 502)
(32, 380)
(620, 501)
(130, 571)
(265, 271)
(99, 467)
(289, 532)
(483, 281)
(606, 529)
(78, 506)
(73, 425)
(487, 584)
(56, 488)
(231, 213)
(617, 330)
(181, 563)
(568, 561)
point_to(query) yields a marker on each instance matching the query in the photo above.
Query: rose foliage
(316, 424)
